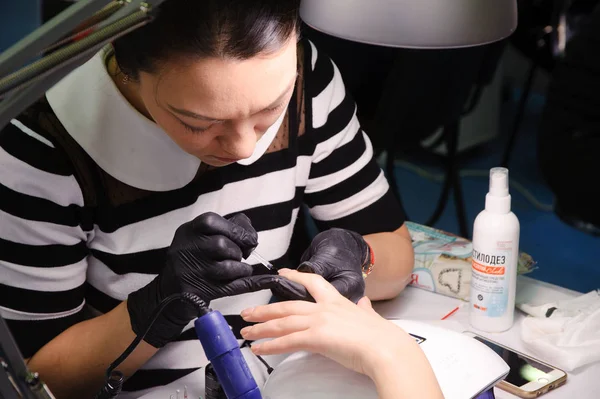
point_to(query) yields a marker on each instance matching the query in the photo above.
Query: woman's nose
(240, 142)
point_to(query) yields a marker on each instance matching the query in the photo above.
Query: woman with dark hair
(158, 167)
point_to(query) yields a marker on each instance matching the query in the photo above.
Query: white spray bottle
(495, 257)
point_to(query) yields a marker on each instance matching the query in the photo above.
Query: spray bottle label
(490, 281)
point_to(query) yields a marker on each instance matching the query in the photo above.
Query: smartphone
(528, 377)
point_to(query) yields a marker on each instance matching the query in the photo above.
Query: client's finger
(294, 342)
(316, 285)
(365, 303)
(276, 328)
(278, 310)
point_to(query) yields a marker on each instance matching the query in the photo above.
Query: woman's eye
(277, 108)
(194, 129)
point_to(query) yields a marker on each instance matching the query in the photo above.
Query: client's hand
(354, 336)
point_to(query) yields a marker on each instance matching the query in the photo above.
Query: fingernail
(247, 312)
(256, 348)
(284, 271)
(245, 330)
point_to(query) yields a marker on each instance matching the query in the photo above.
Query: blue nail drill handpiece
(223, 351)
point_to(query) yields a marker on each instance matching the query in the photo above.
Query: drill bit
(262, 260)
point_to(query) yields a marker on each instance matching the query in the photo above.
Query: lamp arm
(20, 89)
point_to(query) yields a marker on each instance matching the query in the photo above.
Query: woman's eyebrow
(190, 114)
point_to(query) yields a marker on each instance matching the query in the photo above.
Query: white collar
(124, 143)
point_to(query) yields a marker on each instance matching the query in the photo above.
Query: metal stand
(452, 182)
(551, 37)
(520, 112)
(16, 381)
(390, 170)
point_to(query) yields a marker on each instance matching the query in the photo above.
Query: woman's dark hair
(238, 29)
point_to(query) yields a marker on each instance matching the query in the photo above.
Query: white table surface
(418, 304)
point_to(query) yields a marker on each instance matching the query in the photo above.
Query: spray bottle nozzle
(499, 182)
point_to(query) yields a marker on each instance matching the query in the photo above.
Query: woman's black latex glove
(204, 259)
(339, 256)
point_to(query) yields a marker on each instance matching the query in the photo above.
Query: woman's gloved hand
(203, 259)
(338, 255)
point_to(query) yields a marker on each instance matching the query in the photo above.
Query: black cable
(269, 368)
(191, 298)
(263, 361)
(113, 386)
(114, 378)
(212, 386)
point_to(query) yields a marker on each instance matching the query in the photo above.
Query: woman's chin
(217, 161)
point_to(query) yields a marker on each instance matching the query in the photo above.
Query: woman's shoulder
(39, 182)
(329, 107)
(322, 80)
(38, 121)
(36, 141)
(314, 63)
(34, 138)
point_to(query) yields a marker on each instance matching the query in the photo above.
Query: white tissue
(565, 333)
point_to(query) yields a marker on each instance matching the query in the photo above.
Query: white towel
(564, 333)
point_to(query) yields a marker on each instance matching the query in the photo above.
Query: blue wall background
(17, 19)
